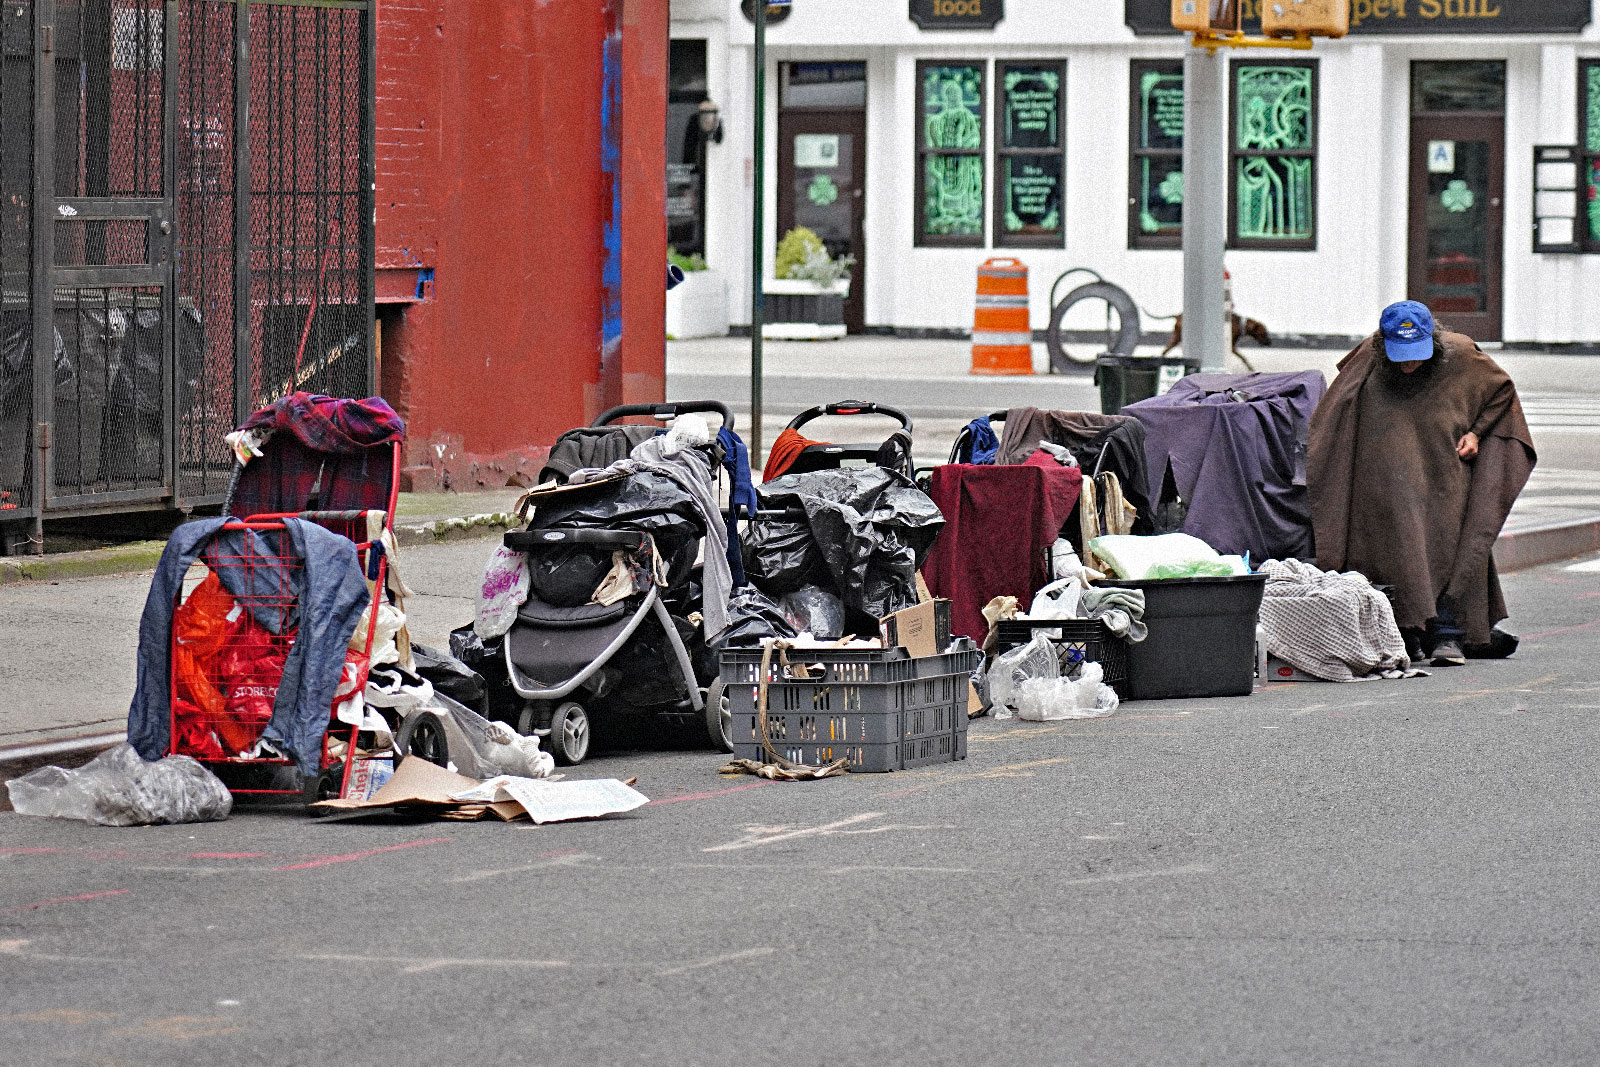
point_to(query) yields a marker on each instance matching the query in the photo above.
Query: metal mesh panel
(109, 98)
(109, 400)
(16, 260)
(311, 318)
(204, 82)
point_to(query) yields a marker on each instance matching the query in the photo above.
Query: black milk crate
(1081, 641)
(880, 708)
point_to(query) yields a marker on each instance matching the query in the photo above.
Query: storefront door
(1456, 220)
(822, 181)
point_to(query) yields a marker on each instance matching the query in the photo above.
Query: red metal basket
(230, 640)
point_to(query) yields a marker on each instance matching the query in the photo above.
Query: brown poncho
(1389, 496)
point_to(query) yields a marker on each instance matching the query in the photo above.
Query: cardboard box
(1279, 671)
(923, 630)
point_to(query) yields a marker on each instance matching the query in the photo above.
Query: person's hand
(1467, 447)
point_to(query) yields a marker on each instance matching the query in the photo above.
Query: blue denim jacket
(332, 593)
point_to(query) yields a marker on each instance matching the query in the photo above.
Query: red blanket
(999, 525)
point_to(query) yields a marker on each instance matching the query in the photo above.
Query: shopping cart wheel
(324, 785)
(569, 733)
(719, 716)
(428, 741)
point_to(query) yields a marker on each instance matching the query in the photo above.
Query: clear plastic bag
(814, 609)
(1058, 600)
(1053, 699)
(117, 788)
(1010, 670)
(479, 747)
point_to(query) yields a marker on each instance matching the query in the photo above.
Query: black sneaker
(1447, 653)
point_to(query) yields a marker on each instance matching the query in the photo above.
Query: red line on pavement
(708, 796)
(67, 900)
(1564, 630)
(226, 855)
(347, 857)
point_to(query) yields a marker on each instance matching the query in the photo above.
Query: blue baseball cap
(1407, 329)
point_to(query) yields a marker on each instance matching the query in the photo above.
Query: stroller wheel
(569, 734)
(719, 716)
(428, 741)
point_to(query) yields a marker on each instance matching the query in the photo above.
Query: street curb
(463, 528)
(33, 750)
(91, 563)
(1516, 550)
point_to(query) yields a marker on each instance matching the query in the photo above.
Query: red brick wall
(489, 175)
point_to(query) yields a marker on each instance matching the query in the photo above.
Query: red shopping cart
(238, 612)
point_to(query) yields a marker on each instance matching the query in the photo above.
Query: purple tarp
(1236, 447)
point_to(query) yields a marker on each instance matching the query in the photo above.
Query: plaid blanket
(1330, 625)
(334, 450)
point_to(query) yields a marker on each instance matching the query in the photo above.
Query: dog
(1242, 327)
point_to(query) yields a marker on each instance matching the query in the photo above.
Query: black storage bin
(1202, 640)
(1125, 380)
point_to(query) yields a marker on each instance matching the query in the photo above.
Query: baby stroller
(793, 454)
(612, 620)
(841, 528)
(311, 460)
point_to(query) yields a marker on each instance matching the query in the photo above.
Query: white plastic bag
(504, 590)
(1036, 659)
(117, 788)
(1058, 600)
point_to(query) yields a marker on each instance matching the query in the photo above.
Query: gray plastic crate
(917, 719)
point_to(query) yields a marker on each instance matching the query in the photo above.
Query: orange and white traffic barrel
(1002, 342)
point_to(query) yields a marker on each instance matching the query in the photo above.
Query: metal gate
(186, 227)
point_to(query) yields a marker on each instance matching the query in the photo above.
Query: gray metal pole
(1205, 207)
(757, 225)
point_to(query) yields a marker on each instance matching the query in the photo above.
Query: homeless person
(1417, 452)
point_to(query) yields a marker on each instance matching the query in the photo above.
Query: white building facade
(1447, 151)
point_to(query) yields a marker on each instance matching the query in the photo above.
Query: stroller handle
(851, 407)
(666, 411)
(526, 540)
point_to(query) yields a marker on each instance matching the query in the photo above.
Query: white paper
(560, 801)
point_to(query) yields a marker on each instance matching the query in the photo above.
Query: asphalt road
(1384, 873)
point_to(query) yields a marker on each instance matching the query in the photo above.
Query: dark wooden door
(1457, 218)
(822, 182)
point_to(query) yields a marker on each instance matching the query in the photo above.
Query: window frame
(1588, 158)
(1235, 154)
(1000, 152)
(921, 238)
(1137, 238)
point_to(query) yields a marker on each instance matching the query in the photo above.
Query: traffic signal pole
(1205, 207)
(757, 238)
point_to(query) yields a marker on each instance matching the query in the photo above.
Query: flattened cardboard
(415, 781)
(924, 630)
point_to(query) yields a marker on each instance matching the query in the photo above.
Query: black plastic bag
(488, 658)
(567, 576)
(871, 529)
(645, 501)
(452, 677)
(752, 615)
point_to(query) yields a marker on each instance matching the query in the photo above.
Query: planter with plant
(806, 300)
(698, 305)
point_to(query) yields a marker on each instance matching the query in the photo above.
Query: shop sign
(957, 14)
(1406, 16)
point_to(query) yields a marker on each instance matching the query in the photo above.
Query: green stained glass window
(1274, 154)
(1030, 153)
(1155, 171)
(1591, 96)
(951, 195)
(1589, 148)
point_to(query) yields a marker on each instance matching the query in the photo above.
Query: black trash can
(1127, 380)
(1202, 639)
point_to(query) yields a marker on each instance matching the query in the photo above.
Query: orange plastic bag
(201, 623)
